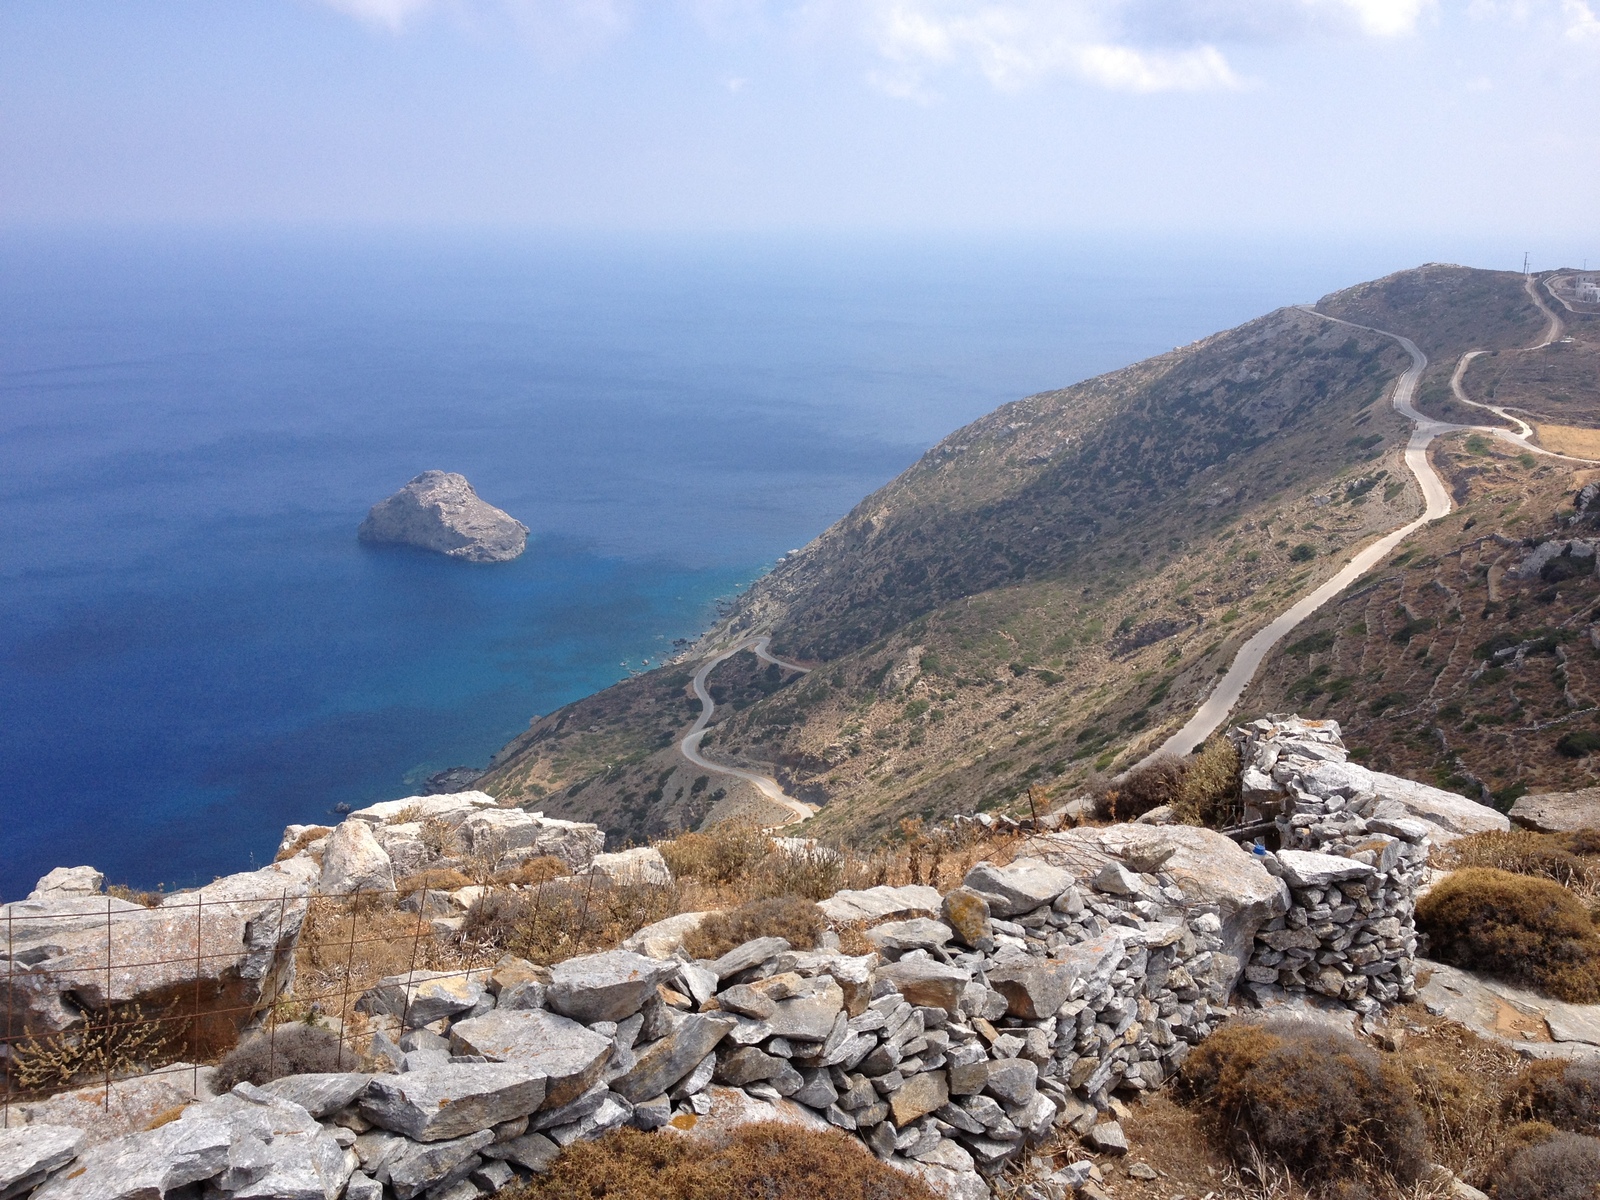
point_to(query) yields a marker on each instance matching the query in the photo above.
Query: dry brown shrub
(1148, 787)
(147, 899)
(301, 842)
(125, 1039)
(1525, 930)
(437, 879)
(798, 921)
(1563, 1094)
(1564, 1167)
(1568, 859)
(1209, 792)
(1316, 1100)
(287, 1050)
(725, 853)
(556, 920)
(1460, 1082)
(767, 1161)
(533, 871)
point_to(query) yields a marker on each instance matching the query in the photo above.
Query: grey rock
(663, 1065)
(747, 1001)
(532, 1152)
(459, 1189)
(919, 933)
(1024, 885)
(1116, 880)
(612, 1113)
(808, 1018)
(652, 1113)
(642, 864)
(441, 1103)
(919, 1096)
(68, 881)
(28, 1153)
(664, 938)
(1309, 868)
(362, 1186)
(751, 954)
(423, 997)
(568, 1114)
(493, 1175)
(1012, 1080)
(1552, 812)
(697, 1080)
(321, 1093)
(817, 1089)
(277, 1151)
(1036, 988)
(1108, 1138)
(569, 1057)
(924, 982)
(354, 861)
(747, 1065)
(882, 903)
(439, 511)
(145, 1166)
(418, 1167)
(605, 987)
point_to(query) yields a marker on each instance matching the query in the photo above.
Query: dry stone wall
(980, 1019)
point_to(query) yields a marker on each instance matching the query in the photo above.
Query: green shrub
(767, 1161)
(1317, 1100)
(1304, 552)
(1578, 743)
(1523, 929)
(797, 920)
(286, 1050)
(1566, 1167)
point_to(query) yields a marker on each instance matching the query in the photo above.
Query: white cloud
(392, 14)
(1582, 23)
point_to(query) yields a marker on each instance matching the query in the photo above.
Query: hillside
(1052, 588)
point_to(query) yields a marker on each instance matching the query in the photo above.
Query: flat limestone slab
(1536, 1025)
(1559, 812)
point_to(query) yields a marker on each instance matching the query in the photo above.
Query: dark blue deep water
(195, 651)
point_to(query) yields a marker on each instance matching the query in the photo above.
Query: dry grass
(1570, 439)
(1570, 859)
(125, 1039)
(1563, 1094)
(768, 1161)
(285, 1050)
(305, 839)
(1564, 1167)
(797, 921)
(1524, 929)
(1209, 793)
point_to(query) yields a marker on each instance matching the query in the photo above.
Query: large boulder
(642, 864)
(1558, 812)
(354, 861)
(224, 951)
(1451, 815)
(439, 511)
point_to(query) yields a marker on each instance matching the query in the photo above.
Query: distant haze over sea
(195, 650)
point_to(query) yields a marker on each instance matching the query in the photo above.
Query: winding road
(690, 745)
(1436, 504)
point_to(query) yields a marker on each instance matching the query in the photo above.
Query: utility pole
(1524, 262)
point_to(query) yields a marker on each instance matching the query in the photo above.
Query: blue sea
(195, 650)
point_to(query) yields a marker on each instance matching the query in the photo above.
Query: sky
(1337, 118)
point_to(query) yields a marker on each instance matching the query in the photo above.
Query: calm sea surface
(195, 651)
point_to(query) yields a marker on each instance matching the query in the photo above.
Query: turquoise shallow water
(194, 649)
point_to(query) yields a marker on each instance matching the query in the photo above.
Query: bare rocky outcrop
(439, 511)
(1558, 812)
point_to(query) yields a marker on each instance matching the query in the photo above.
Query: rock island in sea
(440, 511)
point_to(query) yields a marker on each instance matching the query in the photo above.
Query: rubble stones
(967, 914)
(423, 997)
(416, 1168)
(144, 1165)
(665, 1064)
(927, 983)
(918, 1096)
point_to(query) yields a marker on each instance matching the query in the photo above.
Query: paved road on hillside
(1436, 503)
(690, 745)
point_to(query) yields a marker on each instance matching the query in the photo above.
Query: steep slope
(1047, 591)
(1453, 661)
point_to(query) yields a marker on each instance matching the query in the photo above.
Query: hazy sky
(1243, 116)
